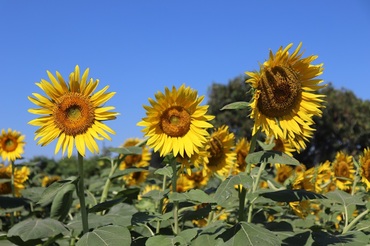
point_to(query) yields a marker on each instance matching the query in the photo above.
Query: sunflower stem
(175, 203)
(104, 195)
(254, 188)
(354, 221)
(81, 194)
(242, 194)
(12, 185)
(160, 206)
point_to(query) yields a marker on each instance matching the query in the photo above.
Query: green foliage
(111, 235)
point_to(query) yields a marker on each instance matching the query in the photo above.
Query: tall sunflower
(284, 98)
(11, 144)
(221, 157)
(176, 122)
(20, 177)
(72, 113)
(365, 167)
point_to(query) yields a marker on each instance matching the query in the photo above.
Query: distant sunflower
(72, 113)
(200, 178)
(365, 167)
(281, 145)
(176, 123)
(221, 157)
(141, 160)
(242, 147)
(284, 100)
(184, 183)
(11, 144)
(344, 171)
(48, 180)
(283, 172)
(20, 177)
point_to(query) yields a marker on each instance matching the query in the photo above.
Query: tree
(344, 125)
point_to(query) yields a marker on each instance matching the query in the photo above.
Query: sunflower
(141, 160)
(184, 183)
(344, 171)
(281, 145)
(284, 99)
(242, 147)
(283, 172)
(11, 144)
(72, 113)
(200, 178)
(221, 157)
(365, 168)
(176, 122)
(48, 180)
(20, 177)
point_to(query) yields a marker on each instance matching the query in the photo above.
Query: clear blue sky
(139, 47)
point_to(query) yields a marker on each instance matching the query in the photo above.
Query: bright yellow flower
(365, 168)
(284, 99)
(48, 180)
(344, 171)
(200, 178)
(184, 183)
(176, 123)
(221, 157)
(20, 177)
(283, 172)
(11, 145)
(71, 113)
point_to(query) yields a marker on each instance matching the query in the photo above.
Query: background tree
(344, 125)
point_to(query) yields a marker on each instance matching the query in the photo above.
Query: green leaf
(111, 235)
(352, 238)
(33, 193)
(292, 195)
(249, 234)
(132, 150)
(344, 198)
(51, 191)
(225, 193)
(165, 171)
(12, 202)
(62, 202)
(236, 105)
(272, 157)
(106, 205)
(165, 241)
(196, 196)
(37, 229)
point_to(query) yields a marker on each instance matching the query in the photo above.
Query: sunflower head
(72, 113)
(11, 144)
(344, 170)
(221, 157)
(241, 149)
(141, 160)
(20, 177)
(284, 101)
(283, 172)
(365, 167)
(48, 180)
(176, 122)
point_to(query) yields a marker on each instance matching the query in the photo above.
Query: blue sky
(139, 47)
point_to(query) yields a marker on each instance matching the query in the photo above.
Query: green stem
(81, 194)
(353, 222)
(12, 185)
(175, 203)
(242, 195)
(160, 207)
(108, 182)
(254, 188)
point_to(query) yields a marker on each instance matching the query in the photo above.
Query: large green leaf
(126, 171)
(33, 193)
(236, 105)
(226, 194)
(165, 171)
(37, 229)
(51, 191)
(62, 202)
(272, 157)
(291, 195)
(165, 241)
(111, 235)
(196, 196)
(352, 238)
(249, 234)
(344, 198)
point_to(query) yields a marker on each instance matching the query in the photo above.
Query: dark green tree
(344, 125)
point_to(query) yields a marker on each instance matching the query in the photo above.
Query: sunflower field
(185, 181)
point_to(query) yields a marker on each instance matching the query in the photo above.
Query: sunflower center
(74, 114)
(175, 121)
(366, 169)
(9, 144)
(280, 91)
(343, 170)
